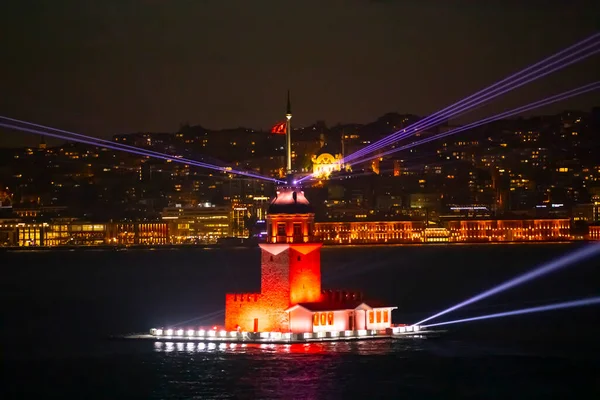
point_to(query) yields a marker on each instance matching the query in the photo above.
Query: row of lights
(406, 329)
(189, 333)
(274, 335)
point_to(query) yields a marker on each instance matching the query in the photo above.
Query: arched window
(323, 319)
(386, 316)
(316, 319)
(330, 318)
(371, 319)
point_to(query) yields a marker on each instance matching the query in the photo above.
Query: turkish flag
(279, 129)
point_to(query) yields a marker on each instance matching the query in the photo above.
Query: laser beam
(540, 103)
(563, 262)
(495, 90)
(134, 150)
(550, 307)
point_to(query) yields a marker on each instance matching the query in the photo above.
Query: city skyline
(158, 71)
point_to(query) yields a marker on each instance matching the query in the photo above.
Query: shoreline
(221, 246)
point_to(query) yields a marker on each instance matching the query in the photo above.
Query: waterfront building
(14, 232)
(369, 232)
(204, 223)
(134, 233)
(513, 230)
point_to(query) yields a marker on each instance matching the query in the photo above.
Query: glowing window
(330, 318)
(371, 317)
(316, 319)
(323, 319)
(378, 317)
(386, 316)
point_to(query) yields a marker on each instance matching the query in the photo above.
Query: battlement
(243, 297)
(340, 296)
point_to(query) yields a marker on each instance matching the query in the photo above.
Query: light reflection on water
(372, 347)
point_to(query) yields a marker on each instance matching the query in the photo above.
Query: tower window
(281, 229)
(297, 229)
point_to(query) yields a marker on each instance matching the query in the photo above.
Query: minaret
(343, 153)
(288, 135)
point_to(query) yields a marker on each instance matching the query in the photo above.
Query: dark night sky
(120, 66)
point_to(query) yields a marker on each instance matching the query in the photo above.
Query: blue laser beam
(135, 150)
(506, 85)
(540, 103)
(564, 261)
(550, 307)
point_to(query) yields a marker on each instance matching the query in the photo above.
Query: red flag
(279, 129)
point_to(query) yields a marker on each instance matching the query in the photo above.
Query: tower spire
(288, 135)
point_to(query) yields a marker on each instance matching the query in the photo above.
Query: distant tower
(42, 145)
(288, 134)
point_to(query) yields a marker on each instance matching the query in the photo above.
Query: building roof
(290, 200)
(343, 305)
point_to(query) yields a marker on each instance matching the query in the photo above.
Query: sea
(60, 309)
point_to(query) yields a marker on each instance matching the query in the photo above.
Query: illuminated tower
(290, 262)
(291, 298)
(288, 135)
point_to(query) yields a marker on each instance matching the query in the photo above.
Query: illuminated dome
(290, 200)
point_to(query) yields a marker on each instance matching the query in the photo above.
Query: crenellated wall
(290, 274)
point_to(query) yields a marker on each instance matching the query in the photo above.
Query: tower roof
(290, 200)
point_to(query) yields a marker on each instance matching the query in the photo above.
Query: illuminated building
(509, 230)
(291, 297)
(436, 235)
(369, 232)
(594, 232)
(324, 164)
(205, 223)
(31, 234)
(467, 211)
(239, 214)
(150, 233)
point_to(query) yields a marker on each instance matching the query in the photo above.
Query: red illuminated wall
(305, 273)
(290, 274)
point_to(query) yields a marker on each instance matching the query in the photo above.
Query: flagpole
(288, 135)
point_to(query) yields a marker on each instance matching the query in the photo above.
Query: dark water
(58, 308)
